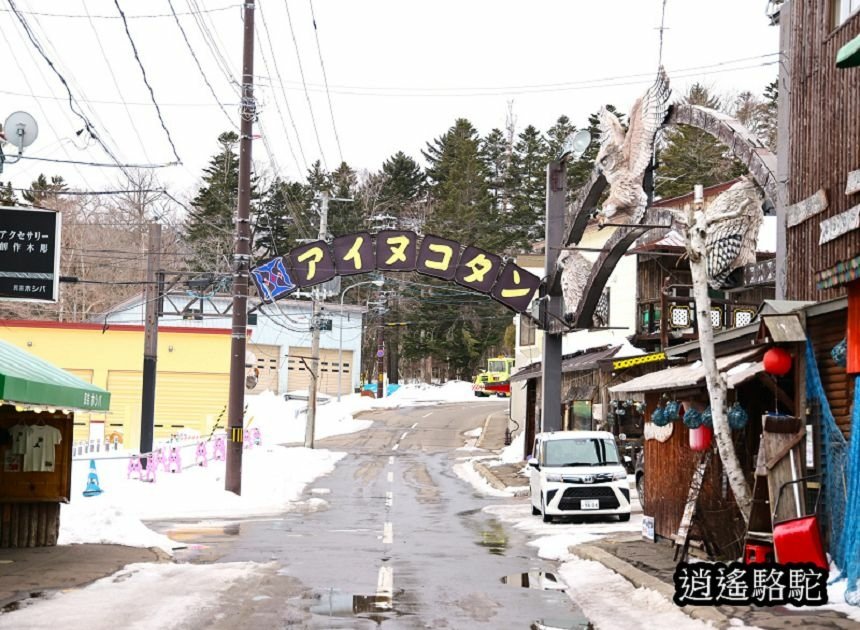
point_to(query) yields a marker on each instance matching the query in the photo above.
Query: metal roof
(27, 379)
(577, 363)
(682, 376)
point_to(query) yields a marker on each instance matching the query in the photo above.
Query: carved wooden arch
(744, 145)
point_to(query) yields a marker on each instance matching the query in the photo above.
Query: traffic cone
(92, 488)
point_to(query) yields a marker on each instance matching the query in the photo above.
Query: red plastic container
(799, 540)
(700, 439)
(758, 553)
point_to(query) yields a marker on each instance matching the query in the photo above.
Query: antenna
(21, 130)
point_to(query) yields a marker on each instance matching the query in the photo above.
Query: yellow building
(193, 373)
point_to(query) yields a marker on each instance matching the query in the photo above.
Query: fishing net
(841, 485)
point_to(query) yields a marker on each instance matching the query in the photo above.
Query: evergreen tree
(44, 193)
(498, 153)
(459, 187)
(281, 222)
(344, 217)
(7, 195)
(692, 156)
(402, 188)
(209, 225)
(557, 134)
(529, 173)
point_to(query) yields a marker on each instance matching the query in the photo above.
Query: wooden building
(37, 404)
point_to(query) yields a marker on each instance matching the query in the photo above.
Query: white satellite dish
(21, 129)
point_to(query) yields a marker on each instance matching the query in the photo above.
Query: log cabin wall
(669, 468)
(824, 141)
(825, 331)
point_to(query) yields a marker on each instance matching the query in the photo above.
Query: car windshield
(580, 452)
(497, 366)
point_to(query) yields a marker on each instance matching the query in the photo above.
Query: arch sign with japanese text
(396, 250)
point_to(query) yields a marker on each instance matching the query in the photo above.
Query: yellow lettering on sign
(354, 254)
(446, 252)
(480, 266)
(313, 256)
(511, 293)
(398, 246)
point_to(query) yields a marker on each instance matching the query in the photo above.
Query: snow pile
(407, 395)
(514, 453)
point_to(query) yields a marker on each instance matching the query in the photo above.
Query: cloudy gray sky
(399, 73)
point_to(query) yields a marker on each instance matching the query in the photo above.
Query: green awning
(26, 379)
(849, 55)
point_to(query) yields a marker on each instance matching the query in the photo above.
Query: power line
(209, 40)
(302, 75)
(116, 164)
(116, 17)
(325, 79)
(95, 101)
(199, 66)
(146, 81)
(283, 92)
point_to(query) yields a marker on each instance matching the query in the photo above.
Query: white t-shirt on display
(19, 438)
(40, 455)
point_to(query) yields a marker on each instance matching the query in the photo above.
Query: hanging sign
(396, 250)
(353, 254)
(29, 254)
(834, 227)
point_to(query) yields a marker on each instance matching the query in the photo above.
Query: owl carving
(575, 271)
(624, 156)
(733, 220)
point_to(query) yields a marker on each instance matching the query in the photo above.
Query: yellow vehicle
(496, 379)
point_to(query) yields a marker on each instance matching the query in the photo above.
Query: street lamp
(378, 282)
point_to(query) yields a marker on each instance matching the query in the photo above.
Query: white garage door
(267, 364)
(299, 377)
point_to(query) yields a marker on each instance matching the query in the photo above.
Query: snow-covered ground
(273, 475)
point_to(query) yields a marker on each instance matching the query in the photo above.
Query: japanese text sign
(29, 254)
(515, 287)
(438, 257)
(312, 264)
(353, 253)
(478, 269)
(396, 250)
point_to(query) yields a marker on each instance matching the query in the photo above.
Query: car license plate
(589, 504)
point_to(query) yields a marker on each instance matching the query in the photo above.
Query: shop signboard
(29, 254)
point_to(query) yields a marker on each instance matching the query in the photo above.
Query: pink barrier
(161, 459)
(257, 438)
(219, 451)
(134, 467)
(151, 468)
(174, 460)
(200, 457)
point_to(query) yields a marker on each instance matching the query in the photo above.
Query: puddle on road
(494, 539)
(578, 623)
(334, 603)
(534, 579)
(197, 532)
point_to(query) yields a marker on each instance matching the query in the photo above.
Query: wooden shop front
(37, 404)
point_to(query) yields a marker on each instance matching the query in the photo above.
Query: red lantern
(777, 361)
(700, 439)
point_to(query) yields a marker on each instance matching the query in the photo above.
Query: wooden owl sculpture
(733, 220)
(575, 270)
(624, 156)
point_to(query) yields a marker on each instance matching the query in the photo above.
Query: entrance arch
(744, 145)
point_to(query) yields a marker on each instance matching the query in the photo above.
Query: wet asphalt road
(401, 541)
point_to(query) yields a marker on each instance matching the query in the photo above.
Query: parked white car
(577, 473)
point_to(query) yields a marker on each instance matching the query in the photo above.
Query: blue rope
(842, 526)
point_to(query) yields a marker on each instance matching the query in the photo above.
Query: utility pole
(152, 295)
(380, 358)
(315, 337)
(241, 262)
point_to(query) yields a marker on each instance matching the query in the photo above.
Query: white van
(577, 473)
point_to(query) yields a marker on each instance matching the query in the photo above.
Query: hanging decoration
(738, 417)
(777, 361)
(707, 418)
(658, 417)
(840, 353)
(661, 434)
(693, 419)
(700, 438)
(673, 410)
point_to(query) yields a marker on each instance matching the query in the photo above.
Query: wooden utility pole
(315, 338)
(241, 262)
(151, 295)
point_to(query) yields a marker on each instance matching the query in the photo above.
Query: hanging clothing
(19, 438)
(40, 455)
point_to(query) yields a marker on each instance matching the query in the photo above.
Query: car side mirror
(533, 462)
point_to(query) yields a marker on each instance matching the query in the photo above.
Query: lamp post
(378, 282)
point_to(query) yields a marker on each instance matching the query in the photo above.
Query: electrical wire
(199, 66)
(116, 164)
(283, 92)
(304, 84)
(209, 40)
(325, 80)
(116, 17)
(146, 81)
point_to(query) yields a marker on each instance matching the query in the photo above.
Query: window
(527, 331)
(580, 415)
(841, 10)
(580, 452)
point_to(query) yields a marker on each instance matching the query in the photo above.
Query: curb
(639, 578)
(489, 475)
